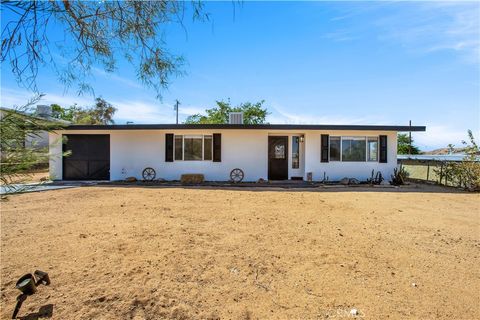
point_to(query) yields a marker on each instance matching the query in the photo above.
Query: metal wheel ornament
(236, 175)
(148, 174)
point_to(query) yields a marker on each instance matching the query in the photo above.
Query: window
(353, 149)
(207, 148)
(193, 148)
(178, 147)
(372, 149)
(334, 148)
(295, 152)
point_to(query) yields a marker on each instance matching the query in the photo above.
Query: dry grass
(152, 253)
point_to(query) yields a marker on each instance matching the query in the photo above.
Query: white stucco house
(267, 151)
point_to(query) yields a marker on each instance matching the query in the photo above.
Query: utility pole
(410, 137)
(176, 108)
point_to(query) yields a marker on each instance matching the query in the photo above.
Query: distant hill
(444, 151)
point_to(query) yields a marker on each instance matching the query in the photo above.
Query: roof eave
(246, 127)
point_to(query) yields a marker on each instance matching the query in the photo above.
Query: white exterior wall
(133, 150)
(336, 170)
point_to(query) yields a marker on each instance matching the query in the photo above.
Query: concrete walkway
(34, 187)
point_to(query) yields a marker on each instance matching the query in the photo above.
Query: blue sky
(312, 62)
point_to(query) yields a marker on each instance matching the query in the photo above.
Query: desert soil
(154, 253)
(32, 177)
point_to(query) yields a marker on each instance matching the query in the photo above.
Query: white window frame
(192, 136)
(353, 137)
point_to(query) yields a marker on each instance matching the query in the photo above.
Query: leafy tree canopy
(253, 113)
(101, 113)
(93, 34)
(403, 145)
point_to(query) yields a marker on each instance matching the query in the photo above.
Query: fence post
(428, 170)
(441, 173)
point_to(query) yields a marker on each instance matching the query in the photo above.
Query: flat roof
(246, 127)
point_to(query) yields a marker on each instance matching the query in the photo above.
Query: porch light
(302, 138)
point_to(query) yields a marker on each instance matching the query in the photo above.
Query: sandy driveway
(151, 253)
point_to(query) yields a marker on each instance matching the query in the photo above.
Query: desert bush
(399, 176)
(465, 174)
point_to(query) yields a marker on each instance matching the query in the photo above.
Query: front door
(277, 158)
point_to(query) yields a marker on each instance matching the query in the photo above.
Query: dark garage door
(88, 157)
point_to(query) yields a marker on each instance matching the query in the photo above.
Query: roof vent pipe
(235, 118)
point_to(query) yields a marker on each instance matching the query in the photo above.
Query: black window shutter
(383, 149)
(169, 147)
(217, 147)
(324, 148)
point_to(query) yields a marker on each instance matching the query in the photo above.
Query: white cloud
(18, 97)
(439, 136)
(151, 111)
(117, 78)
(422, 27)
(137, 110)
(280, 115)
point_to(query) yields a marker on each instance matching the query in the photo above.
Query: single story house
(267, 151)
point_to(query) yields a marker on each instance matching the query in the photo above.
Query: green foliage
(15, 126)
(253, 113)
(93, 34)
(403, 145)
(465, 174)
(101, 113)
(59, 112)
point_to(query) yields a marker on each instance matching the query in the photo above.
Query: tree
(253, 113)
(58, 112)
(101, 113)
(465, 174)
(403, 145)
(15, 125)
(94, 33)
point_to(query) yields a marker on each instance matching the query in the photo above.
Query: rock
(345, 181)
(354, 312)
(353, 181)
(130, 179)
(261, 180)
(414, 285)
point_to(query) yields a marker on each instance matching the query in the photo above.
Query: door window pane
(372, 149)
(353, 149)
(192, 148)
(279, 151)
(178, 147)
(207, 148)
(334, 148)
(295, 152)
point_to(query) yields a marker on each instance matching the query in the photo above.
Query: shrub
(465, 174)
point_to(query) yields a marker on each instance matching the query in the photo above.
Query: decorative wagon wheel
(236, 175)
(148, 174)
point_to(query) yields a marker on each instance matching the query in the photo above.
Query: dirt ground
(31, 177)
(155, 253)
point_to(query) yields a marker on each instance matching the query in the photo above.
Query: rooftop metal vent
(235, 118)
